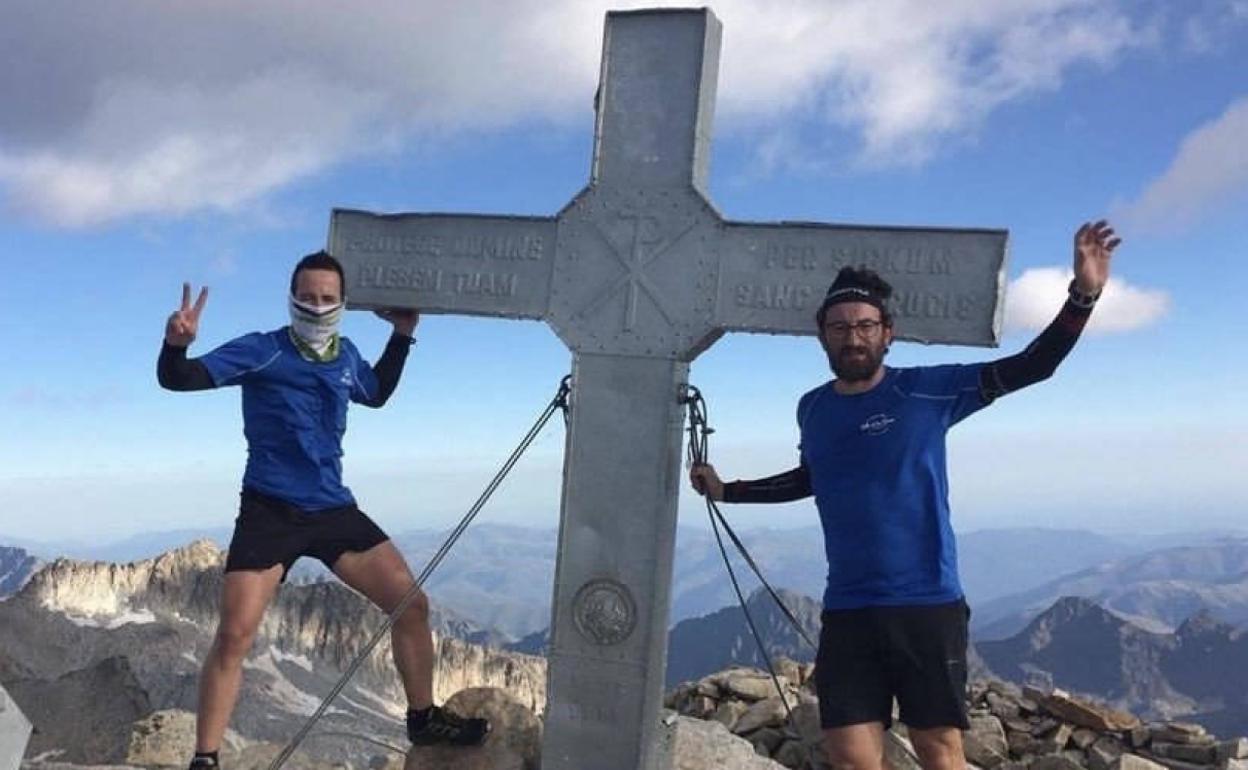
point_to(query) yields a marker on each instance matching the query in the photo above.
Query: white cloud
(1210, 168)
(1033, 299)
(133, 108)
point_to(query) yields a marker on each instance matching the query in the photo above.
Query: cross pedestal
(638, 274)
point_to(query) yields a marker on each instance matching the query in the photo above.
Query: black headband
(837, 295)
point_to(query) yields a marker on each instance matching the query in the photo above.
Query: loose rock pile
(1012, 728)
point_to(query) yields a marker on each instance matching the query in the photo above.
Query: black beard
(857, 369)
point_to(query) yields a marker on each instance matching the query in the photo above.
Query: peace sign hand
(1094, 245)
(182, 325)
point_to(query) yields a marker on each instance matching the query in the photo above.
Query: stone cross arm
(666, 280)
(947, 283)
(446, 263)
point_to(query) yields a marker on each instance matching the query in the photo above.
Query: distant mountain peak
(1071, 608)
(1203, 623)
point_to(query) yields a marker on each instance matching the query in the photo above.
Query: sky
(143, 144)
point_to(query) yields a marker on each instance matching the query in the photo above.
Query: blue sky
(144, 144)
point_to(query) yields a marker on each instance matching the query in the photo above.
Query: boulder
(162, 738)
(728, 712)
(764, 713)
(984, 744)
(1186, 752)
(514, 742)
(766, 740)
(695, 744)
(1236, 749)
(749, 684)
(1084, 714)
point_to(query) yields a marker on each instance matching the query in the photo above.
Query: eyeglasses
(867, 328)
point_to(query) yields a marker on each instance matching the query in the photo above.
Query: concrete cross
(638, 274)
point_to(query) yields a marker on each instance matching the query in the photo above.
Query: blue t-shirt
(294, 414)
(877, 468)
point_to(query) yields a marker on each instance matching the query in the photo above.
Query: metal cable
(560, 402)
(699, 431)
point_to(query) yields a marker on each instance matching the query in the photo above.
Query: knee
(233, 642)
(938, 748)
(416, 614)
(842, 755)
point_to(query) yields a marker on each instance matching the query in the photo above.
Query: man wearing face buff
(872, 452)
(296, 382)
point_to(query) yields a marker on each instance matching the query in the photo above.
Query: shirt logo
(345, 379)
(877, 424)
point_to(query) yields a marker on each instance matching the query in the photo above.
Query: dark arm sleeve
(388, 369)
(782, 488)
(174, 371)
(1038, 360)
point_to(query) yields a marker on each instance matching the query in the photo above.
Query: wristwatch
(1079, 299)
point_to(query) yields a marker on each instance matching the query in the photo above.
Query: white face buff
(315, 325)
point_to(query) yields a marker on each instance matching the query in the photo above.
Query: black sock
(416, 718)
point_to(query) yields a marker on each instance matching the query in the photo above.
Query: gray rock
(1104, 753)
(696, 744)
(899, 754)
(162, 738)
(1083, 738)
(1084, 713)
(514, 742)
(1234, 749)
(1001, 706)
(1139, 737)
(1134, 762)
(798, 754)
(1020, 743)
(1186, 752)
(1055, 740)
(1054, 762)
(1181, 732)
(1176, 764)
(985, 744)
(1016, 725)
(749, 684)
(728, 712)
(764, 713)
(1033, 693)
(766, 740)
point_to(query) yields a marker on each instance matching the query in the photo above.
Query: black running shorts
(916, 654)
(270, 531)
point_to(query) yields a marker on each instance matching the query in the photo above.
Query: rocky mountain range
(1157, 590)
(697, 647)
(1199, 672)
(89, 648)
(500, 576)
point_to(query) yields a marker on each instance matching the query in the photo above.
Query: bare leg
(939, 748)
(381, 574)
(244, 597)
(856, 747)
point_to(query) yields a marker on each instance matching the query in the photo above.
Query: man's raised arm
(1094, 247)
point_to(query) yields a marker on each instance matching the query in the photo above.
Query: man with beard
(296, 383)
(894, 622)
